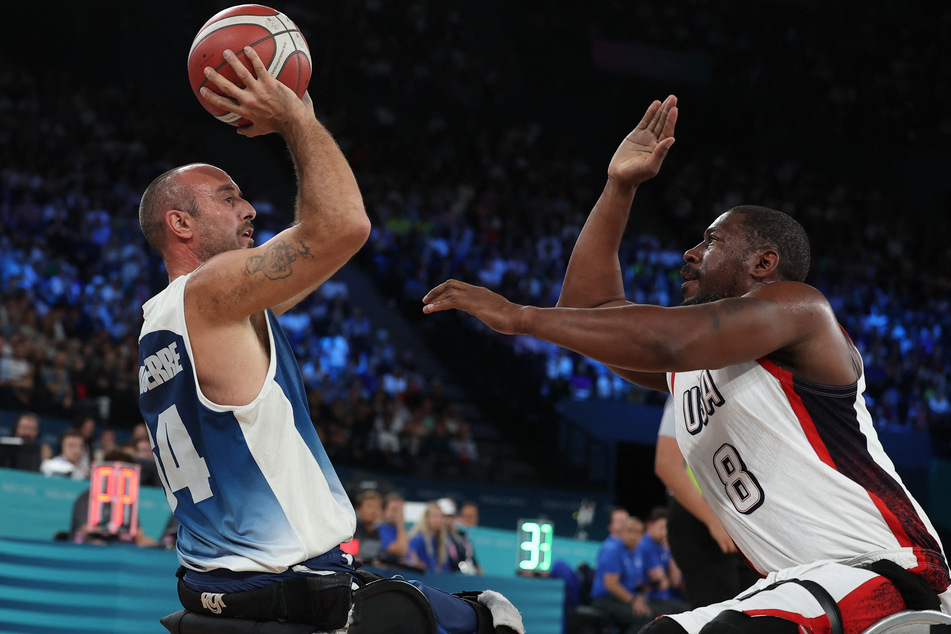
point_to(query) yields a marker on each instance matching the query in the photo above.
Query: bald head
(166, 192)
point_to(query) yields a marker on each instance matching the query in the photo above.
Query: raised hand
(642, 152)
(268, 104)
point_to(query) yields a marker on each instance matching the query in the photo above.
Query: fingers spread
(217, 100)
(226, 86)
(239, 68)
(259, 69)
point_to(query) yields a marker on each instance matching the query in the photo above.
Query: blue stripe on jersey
(832, 410)
(233, 469)
(293, 387)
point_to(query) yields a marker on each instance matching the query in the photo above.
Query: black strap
(915, 591)
(322, 601)
(820, 594)
(828, 604)
(363, 577)
(484, 622)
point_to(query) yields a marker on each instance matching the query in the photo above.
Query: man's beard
(704, 296)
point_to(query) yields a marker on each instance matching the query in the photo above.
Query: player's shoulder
(792, 295)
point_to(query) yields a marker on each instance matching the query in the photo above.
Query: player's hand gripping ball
(273, 36)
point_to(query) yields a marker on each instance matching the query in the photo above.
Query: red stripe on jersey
(869, 603)
(893, 524)
(673, 377)
(785, 379)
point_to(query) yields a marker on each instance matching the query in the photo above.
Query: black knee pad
(663, 625)
(733, 622)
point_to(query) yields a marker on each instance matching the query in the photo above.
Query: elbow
(356, 231)
(361, 229)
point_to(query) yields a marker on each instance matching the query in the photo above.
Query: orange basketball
(273, 36)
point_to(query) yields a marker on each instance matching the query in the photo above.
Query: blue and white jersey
(251, 485)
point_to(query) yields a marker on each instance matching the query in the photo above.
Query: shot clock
(114, 498)
(534, 545)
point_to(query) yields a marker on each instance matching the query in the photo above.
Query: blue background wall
(55, 586)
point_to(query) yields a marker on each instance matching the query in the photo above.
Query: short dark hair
(70, 433)
(23, 416)
(392, 496)
(369, 494)
(657, 513)
(162, 194)
(770, 229)
(118, 455)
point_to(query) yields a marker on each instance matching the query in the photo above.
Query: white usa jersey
(251, 485)
(795, 472)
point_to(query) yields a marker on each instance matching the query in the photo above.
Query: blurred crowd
(468, 171)
(438, 540)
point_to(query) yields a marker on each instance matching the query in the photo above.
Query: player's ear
(765, 264)
(179, 223)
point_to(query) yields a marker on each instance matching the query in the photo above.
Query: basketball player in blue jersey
(262, 512)
(769, 408)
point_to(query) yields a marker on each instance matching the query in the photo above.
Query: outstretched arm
(644, 338)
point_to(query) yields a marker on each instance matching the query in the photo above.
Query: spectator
(616, 524)
(618, 576)
(69, 462)
(369, 509)
(146, 459)
(105, 444)
(385, 441)
(56, 384)
(17, 373)
(436, 451)
(139, 432)
(468, 515)
(394, 539)
(663, 579)
(463, 445)
(461, 551)
(427, 544)
(87, 428)
(27, 428)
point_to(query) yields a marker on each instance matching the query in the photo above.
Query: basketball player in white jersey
(258, 502)
(770, 413)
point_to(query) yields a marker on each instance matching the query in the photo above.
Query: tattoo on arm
(276, 262)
